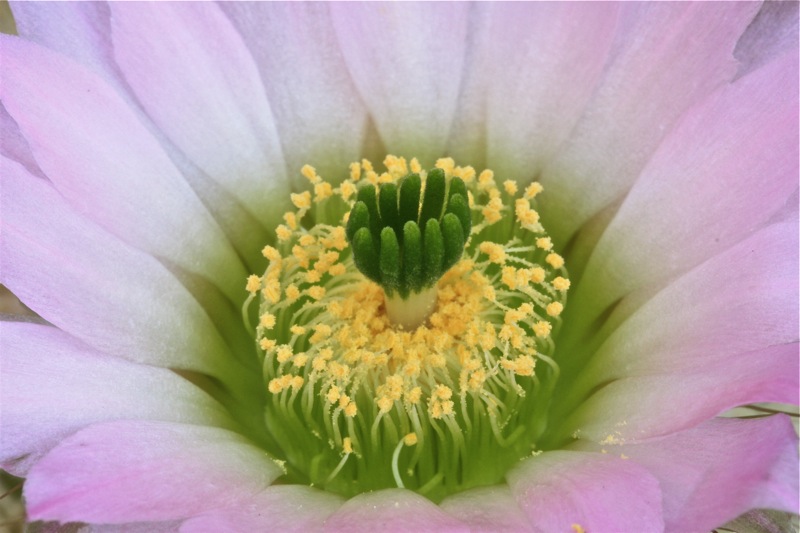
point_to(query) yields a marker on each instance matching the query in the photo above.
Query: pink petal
(391, 511)
(285, 508)
(53, 385)
(488, 509)
(318, 113)
(720, 326)
(659, 68)
(594, 491)
(721, 469)
(194, 76)
(80, 30)
(14, 146)
(406, 61)
(772, 33)
(131, 471)
(703, 189)
(81, 133)
(85, 281)
(528, 77)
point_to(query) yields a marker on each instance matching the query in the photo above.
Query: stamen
(374, 323)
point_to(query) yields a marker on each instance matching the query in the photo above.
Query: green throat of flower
(402, 320)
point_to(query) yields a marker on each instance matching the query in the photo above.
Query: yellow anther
(338, 370)
(333, 394)
(284, 353)
(283, 233)
(554, 308)
(347, 445)
(513, 316)
(577, 528)
(509, 277)
(313, 276)
(410, 439)
(467, 174)
(275, 386)
(316, 292)
(492, 212)
(267, 320)
(290, 219)
(537, 274)
(301, 200)
(510, 187)
(319, 364)
(476, 380)
(366, 165)
(300, 360)
(443, 391)
(297, 381)
(525, 215)
(384, 404)
(355, 171)
(307, 240)
(347, 189)
(561, 284)
(271, 253)
(272, 290)
(447, 164)
(253, 284)
(495, 252)
(351, 410)
(486, 180)
(413, 396)
(555, 260)
(301, 255)
(524, 365)
(533, 189)
(415, 166)
(297, 330)
(337, 270)
(545, 243)
(292, 293)
(542, 328)
(322, 191)
(266, 344)
(310, 173)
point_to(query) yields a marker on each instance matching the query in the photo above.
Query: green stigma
(404, 238)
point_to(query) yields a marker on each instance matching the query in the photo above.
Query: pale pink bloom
(148, 150)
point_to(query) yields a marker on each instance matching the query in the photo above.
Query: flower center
(401, 332)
